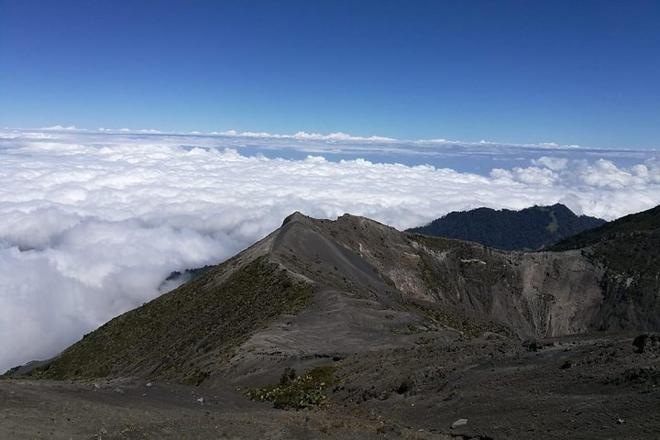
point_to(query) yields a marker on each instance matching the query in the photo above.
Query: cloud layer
(91, 224)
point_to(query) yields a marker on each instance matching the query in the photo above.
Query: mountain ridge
(318, 288)
(643, 221)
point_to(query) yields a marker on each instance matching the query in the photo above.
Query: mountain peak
(296, 216)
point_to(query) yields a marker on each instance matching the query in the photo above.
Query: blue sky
(570, 72)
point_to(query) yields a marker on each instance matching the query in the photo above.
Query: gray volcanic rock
(388, 334)
(628, 251)
(315, 289)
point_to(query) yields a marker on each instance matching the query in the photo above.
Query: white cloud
(552, 163)
(333, 143)
(61, 128)
(302, 135)
(90, 224)
(330, 137)
(535, 175)
(604, 173)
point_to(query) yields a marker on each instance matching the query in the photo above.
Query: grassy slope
(177, 334)
(642, 221)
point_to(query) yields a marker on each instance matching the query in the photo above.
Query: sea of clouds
(92, 222)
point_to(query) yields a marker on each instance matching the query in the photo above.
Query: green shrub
(297, 392)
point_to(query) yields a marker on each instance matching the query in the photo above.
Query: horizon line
(302, 135)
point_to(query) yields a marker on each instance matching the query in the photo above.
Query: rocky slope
(528, 229)
(628, 251)
(317, 289)
(592, 387)
(376, 333)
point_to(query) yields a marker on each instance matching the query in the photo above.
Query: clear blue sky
(572, 72)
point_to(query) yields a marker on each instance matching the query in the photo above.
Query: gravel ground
(579, 387)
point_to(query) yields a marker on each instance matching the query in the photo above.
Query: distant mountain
(528, 229)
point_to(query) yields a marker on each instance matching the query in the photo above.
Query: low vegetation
(187, 333)
(297, 392)
(648, 220)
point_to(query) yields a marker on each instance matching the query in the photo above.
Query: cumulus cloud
(552, 163)
(91, 224)
(604, 173)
